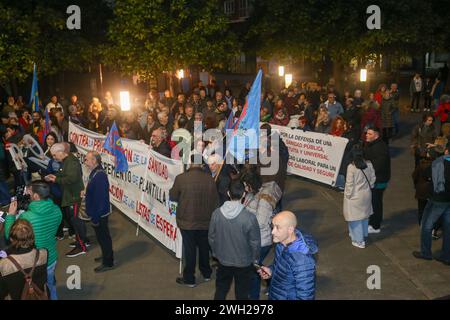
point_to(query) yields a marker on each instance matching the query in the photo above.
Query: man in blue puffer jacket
(293, 272)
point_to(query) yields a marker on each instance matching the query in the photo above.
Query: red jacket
(378, 97)
(443, 111)
(280, 122)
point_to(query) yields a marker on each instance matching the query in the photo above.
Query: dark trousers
(5, 196)
(387, 134)
(242, 281)
(427, 101)
(78, 225)
(66, 221)
(105, 242)
(193, 239)
(415, 100)
(256, 279)
(377, 204)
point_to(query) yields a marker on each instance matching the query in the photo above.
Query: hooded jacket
(262, 206)
(45, 218)
(234, 235)
(294, 270)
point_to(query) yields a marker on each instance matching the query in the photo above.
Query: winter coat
(387, 107)
(12, 280)
(196, 194)
(358, 193)
(323, 127)
(371, 117)
(234, 235)
(70, 178)
(294, 270)
(422, 135)
(422, 180)
(442, 112)
(97, 195)
(262, 205)
(280, 122)
(45, 218)
(377, 152)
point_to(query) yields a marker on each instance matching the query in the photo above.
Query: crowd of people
(232, 212)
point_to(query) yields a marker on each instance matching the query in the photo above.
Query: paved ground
(145, 270)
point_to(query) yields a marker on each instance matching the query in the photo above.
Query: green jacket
(70, 178)
(45, 218)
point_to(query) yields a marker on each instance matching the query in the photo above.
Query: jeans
(5, 196)
(105, 242)
(433, 211)
(51, 280)
(377, 205)
(421, 204)
(242, 281)
(79, 226)
(256, 279)
(340, 181)
(358, 230)
(193, 239)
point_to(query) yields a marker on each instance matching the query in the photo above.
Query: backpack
(30, 290)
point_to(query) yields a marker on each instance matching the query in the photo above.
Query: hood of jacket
(231, 209)
(304, 244)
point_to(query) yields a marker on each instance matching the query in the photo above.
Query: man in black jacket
(377, 151)
(159, 144)
(196, 194)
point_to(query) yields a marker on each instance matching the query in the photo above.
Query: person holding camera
(45, 218)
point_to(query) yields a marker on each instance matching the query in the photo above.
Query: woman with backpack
(23, 273)
(358, 196)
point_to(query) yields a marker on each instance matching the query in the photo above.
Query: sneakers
(360, 245)
(372, 230)
(75, 252)
(74, 244)
(103, 268)
(435, 235)
(418, 255)
(182, 282)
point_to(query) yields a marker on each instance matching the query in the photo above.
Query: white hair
(58, 147)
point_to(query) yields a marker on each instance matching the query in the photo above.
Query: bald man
(293, 271)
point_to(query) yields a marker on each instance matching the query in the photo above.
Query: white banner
(142, 193)
(312, 155)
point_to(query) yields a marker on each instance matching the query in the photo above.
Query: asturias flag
(245, 134)
(34, 99)
(113, 144)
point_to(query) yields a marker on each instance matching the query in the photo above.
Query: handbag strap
(28, 276)
(366, 178)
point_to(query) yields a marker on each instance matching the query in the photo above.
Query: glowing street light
(125, 104)
(288, 79)
(281, 71)
(181, 74)
(363, 75)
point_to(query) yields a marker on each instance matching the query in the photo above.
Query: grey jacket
(234, 235)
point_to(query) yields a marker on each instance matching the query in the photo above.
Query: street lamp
(281, 71)
(363, 75)
(288, 79)
(180, 74)
(125, 104)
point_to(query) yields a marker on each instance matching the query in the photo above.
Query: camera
(23, 199)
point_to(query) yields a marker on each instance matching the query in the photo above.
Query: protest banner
(141, 193)
(313, 155)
